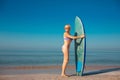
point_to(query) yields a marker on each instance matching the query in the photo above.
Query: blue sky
(39, 24)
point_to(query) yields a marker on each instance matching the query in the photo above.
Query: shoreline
(90, 67)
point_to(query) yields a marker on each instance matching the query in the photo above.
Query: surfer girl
(65, 48)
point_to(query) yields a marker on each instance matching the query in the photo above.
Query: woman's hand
(82, 36)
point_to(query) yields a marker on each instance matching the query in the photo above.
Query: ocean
(47, 58)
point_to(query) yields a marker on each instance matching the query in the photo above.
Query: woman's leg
(65, 60)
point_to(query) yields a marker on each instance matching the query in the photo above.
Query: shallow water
(41, 58)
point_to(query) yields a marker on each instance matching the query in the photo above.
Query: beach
(32, 36)
(53, 73)
(46, 65)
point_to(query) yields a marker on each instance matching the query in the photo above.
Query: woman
(65, 48)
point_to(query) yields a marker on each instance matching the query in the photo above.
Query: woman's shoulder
(66, 34)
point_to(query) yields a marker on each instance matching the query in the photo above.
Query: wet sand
(53, 73)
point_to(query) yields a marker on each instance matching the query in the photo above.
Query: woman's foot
(63, 75)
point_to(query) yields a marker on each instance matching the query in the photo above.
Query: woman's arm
(74, 37)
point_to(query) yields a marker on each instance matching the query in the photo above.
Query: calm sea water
(41, 58)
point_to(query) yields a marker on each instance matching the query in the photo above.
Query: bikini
(66, 38)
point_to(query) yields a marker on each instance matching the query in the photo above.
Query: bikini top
(66, 38)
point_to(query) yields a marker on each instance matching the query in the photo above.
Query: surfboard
(80, 47)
